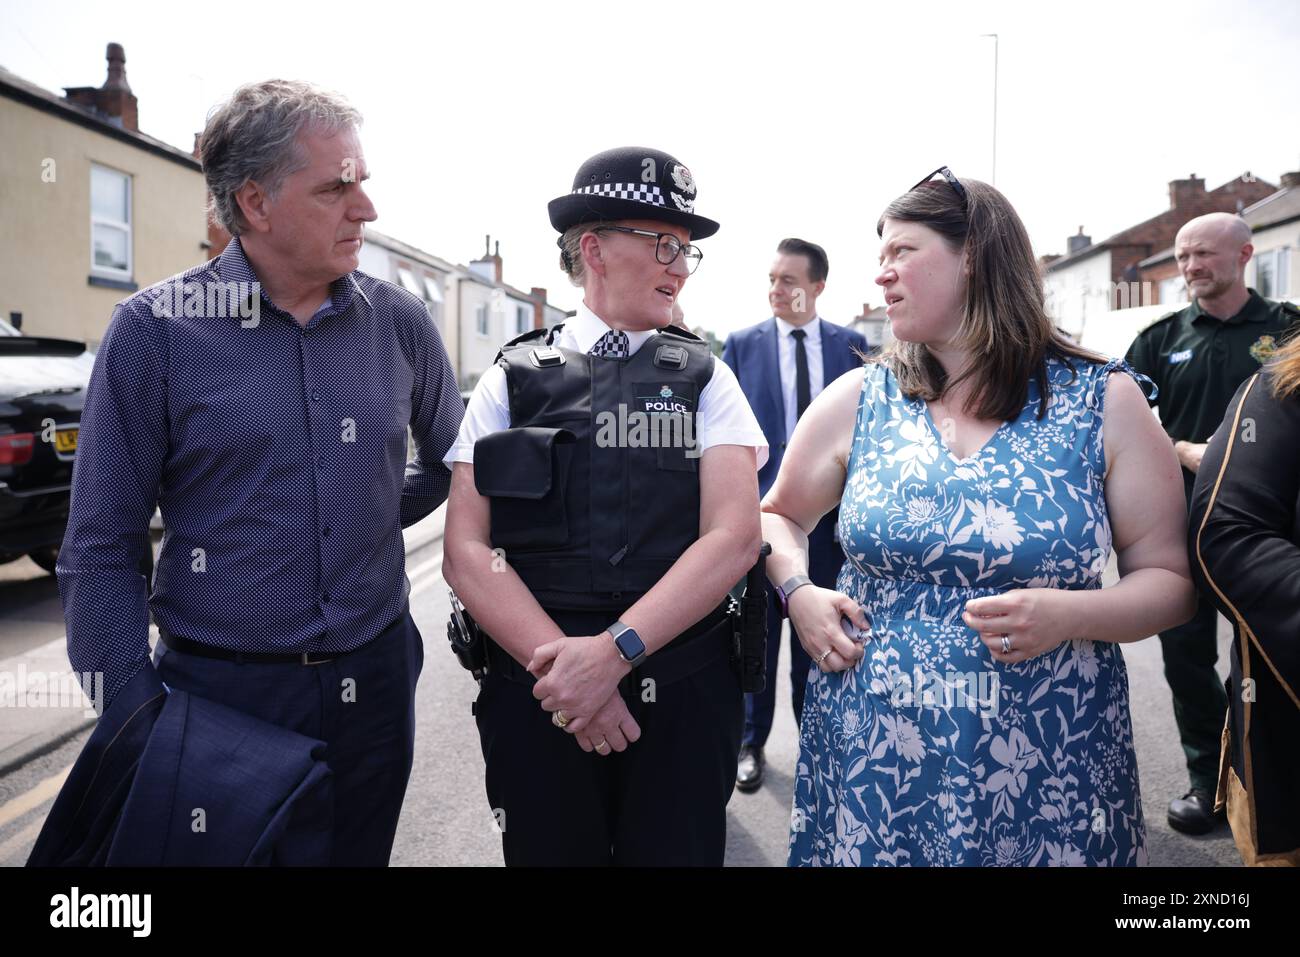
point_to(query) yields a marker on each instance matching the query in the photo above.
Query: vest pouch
(675, 453)
(525, 471)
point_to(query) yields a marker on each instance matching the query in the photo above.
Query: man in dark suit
(782, 364)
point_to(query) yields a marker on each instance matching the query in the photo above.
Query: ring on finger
(602, 747)
(558, 719)
(824, 655)
(1006, 644)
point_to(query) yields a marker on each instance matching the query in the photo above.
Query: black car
(42, 390)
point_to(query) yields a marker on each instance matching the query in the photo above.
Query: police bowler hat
(632, 182)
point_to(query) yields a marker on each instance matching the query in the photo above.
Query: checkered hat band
(638, 192)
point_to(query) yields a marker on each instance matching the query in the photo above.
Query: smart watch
(788, 588)
(629, 644)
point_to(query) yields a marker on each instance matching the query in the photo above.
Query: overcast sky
(800, 118)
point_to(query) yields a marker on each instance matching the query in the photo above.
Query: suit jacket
(753, 356)
(171, 779)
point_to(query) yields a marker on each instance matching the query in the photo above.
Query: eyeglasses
(956, 185)
(667, 246)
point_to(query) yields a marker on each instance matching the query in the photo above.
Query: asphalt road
(446, 819)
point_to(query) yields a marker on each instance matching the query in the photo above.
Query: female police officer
(604, 499)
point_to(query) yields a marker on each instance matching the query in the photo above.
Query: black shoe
(749, 770)
(1193, 813)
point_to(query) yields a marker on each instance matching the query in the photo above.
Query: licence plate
(65, 441)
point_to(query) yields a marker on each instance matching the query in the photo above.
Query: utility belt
(737, 629)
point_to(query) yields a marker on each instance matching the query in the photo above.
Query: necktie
(802, 385)
(612, 345)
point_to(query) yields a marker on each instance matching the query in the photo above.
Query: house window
(1272, 273)
(523, 319)
(433, 299)
(1173, 290)
(407, 279)
(110, 223)
(481, 319)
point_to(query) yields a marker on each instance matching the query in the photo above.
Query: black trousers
(1190, 652)
(362, 705)
(662, 802)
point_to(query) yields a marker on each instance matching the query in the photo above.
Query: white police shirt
(723, 417)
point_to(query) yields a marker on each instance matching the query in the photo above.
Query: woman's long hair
(1285, 369)
(1004, 323)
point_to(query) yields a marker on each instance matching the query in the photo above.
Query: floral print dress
(929, 752)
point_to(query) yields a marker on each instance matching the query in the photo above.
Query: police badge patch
(1263, 349)
(662, 400)
(684, 182)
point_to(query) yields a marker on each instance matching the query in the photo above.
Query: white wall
(1077, 295)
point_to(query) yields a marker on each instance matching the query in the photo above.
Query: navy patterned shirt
(276, 454)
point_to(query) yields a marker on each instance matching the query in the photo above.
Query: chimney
(1291, 180)
(489, 267)
(1075, 243)
(539, 307)
(1183, 193)
(113, 101)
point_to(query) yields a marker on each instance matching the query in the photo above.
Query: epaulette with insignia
(1159, 322)
(532, 335)
(680, 332)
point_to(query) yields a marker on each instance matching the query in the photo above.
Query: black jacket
(1244, 542)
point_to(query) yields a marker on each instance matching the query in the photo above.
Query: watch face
(630, 645)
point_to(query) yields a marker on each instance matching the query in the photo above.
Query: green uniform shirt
(1198, 362)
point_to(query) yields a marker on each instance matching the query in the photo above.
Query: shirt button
(321, 461)
(315, 396)
(325, 598)
(325, 532)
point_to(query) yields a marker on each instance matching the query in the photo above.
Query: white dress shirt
(723, 415)
(812, 344)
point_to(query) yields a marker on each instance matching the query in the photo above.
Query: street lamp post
(993, 179)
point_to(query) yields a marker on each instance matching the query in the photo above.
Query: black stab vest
(594, 520)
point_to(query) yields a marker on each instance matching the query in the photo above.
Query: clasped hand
(580, 676)
(815, 615)
(1033, 620)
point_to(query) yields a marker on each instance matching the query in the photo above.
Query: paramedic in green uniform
(1198, 357)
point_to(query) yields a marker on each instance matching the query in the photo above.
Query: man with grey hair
(262, 401)
(1198, 357)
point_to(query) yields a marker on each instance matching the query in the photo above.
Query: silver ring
(1006, 644)
(603, 744)
(825, 654)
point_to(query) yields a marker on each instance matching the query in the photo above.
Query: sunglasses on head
(955, 183)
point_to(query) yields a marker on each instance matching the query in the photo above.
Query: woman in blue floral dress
(984, 720)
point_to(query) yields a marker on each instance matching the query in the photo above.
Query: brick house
(1096, 278)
